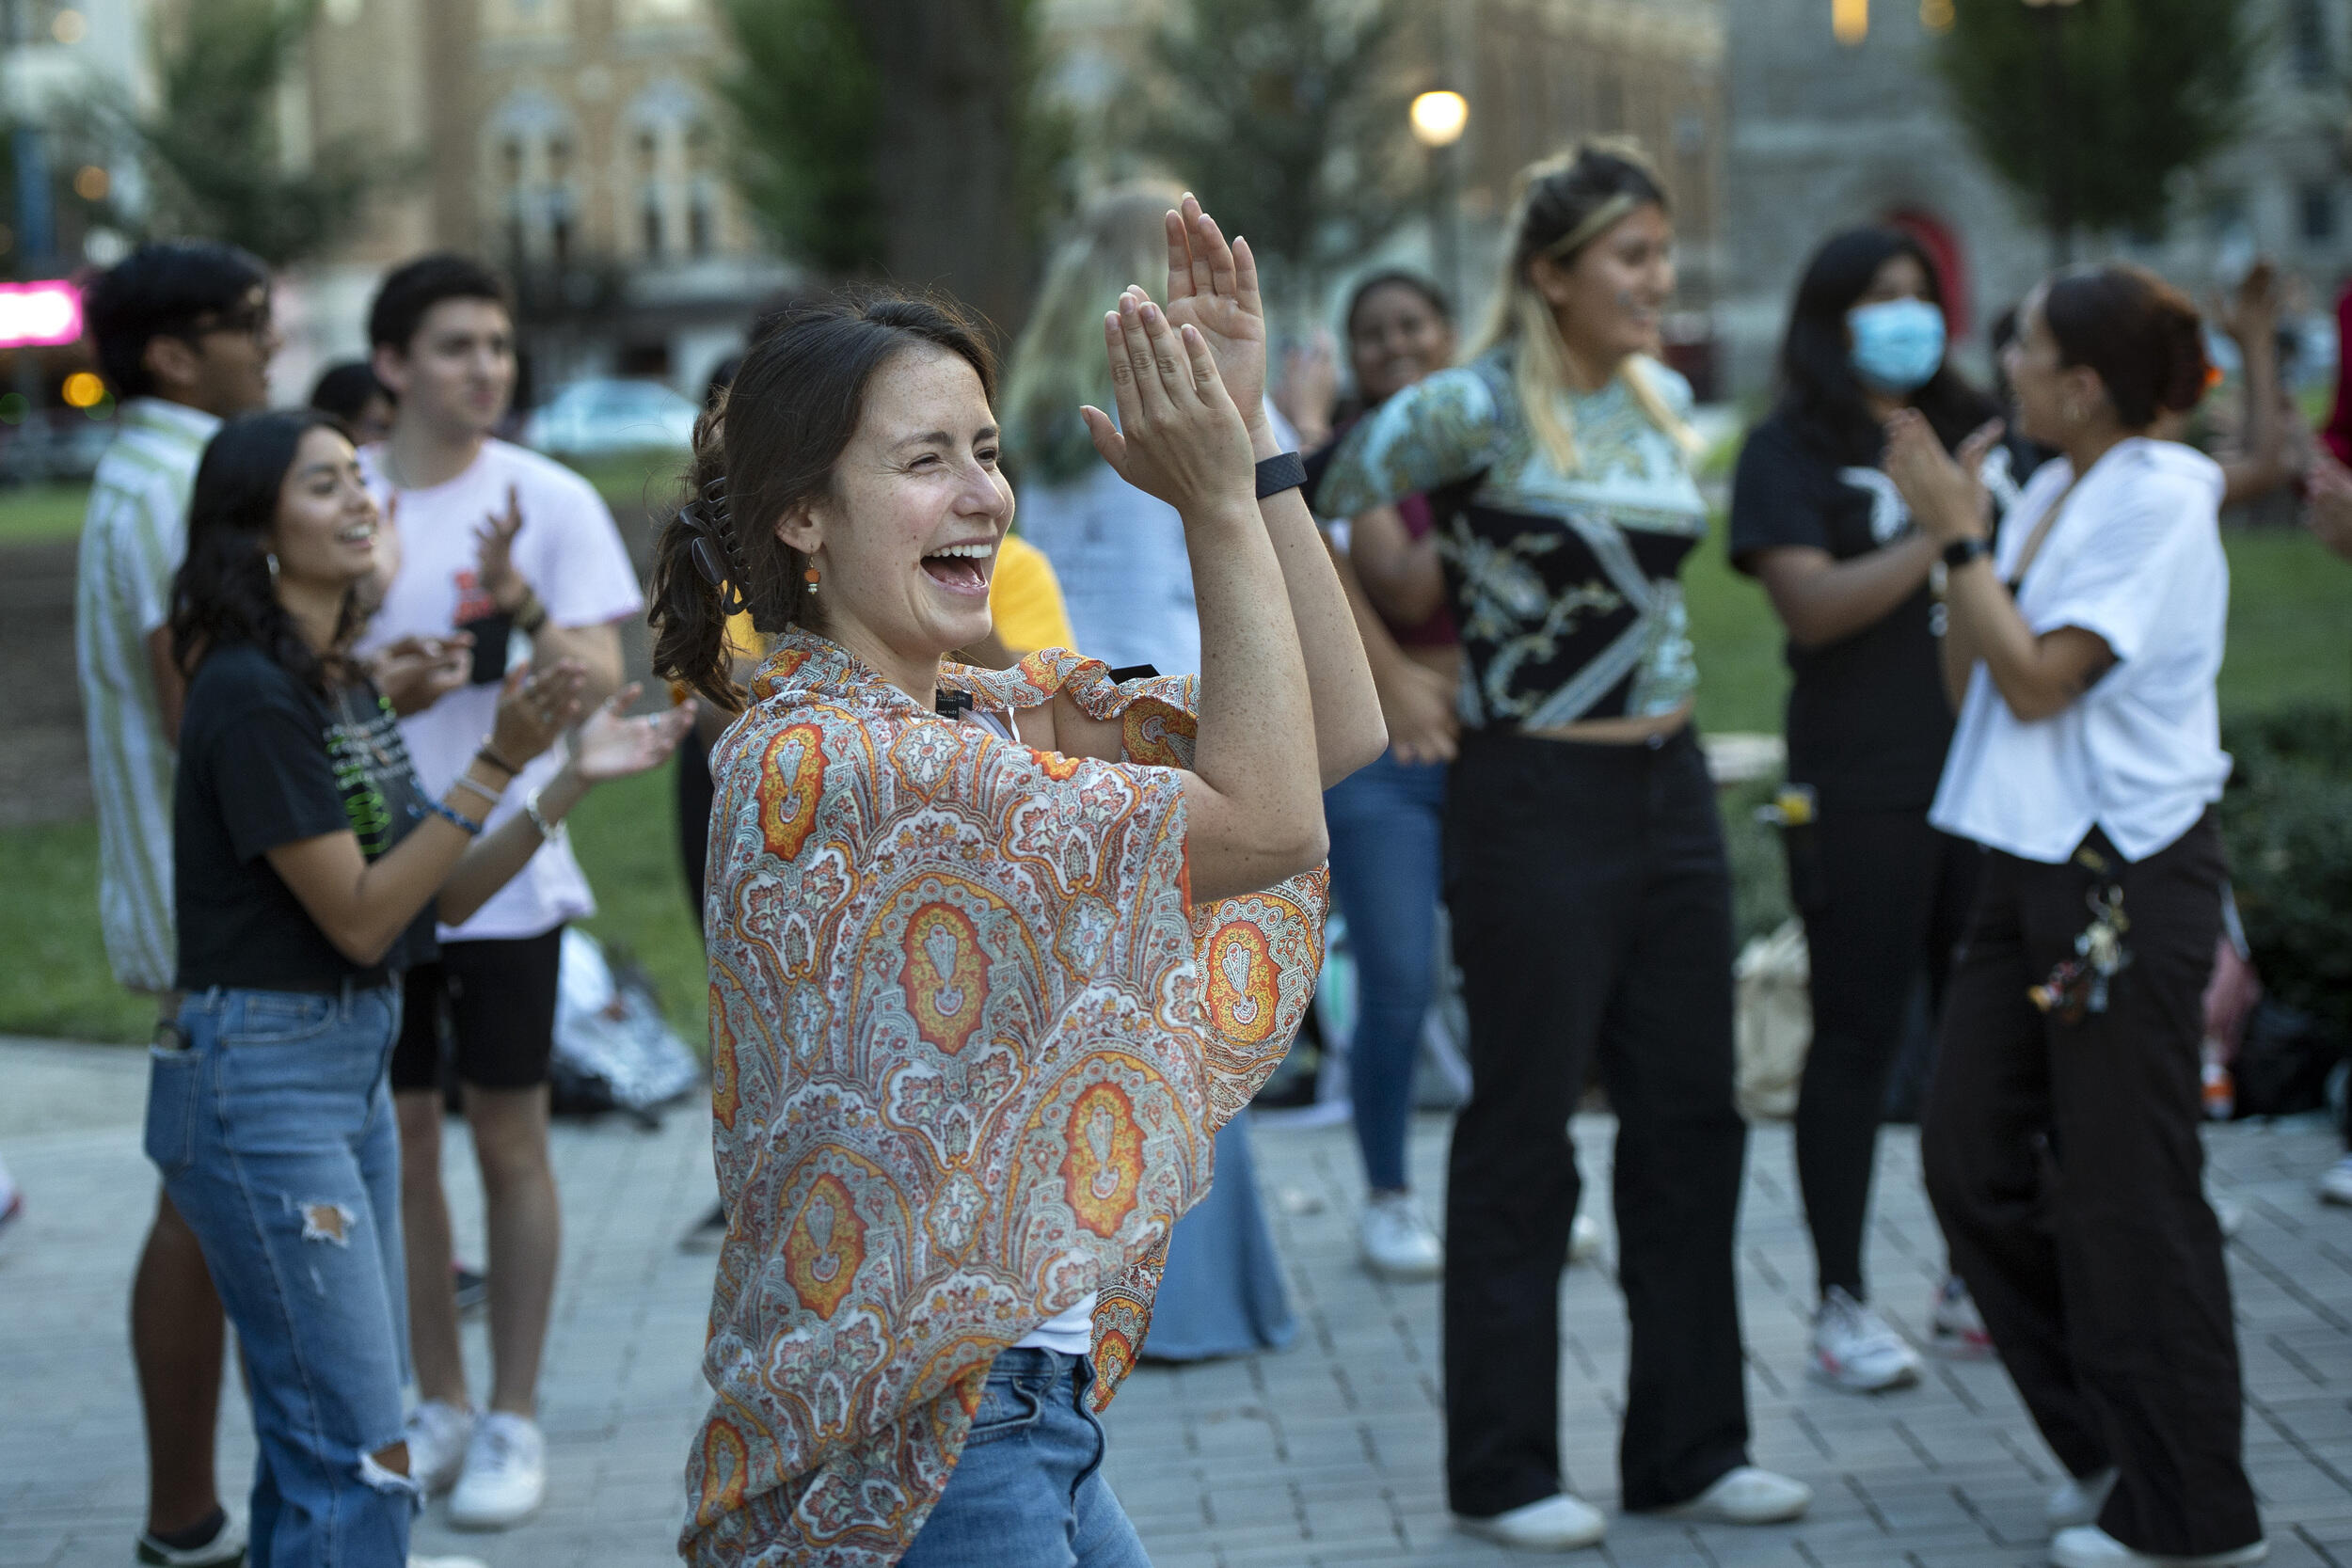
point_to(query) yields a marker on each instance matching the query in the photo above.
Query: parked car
(606, 414)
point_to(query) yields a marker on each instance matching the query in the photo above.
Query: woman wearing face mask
(2061, 1147)
(1585, 868)
(310, 865)
(1386, 820)
(1883, 894)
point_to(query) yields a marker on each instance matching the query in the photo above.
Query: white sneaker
(2079, 1500)
(2335, 1183)
(1398, 1239)
(1746, 1495)
(227, 1547)
(437, 1433)
(1955, 1328)
(1854, 1349)
(505, 1478)
(2088, 1547)
(414, 1561)
(1583, 1238)
(1557, 1524)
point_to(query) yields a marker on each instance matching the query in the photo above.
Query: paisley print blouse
(1564, 586)
(970, 1043)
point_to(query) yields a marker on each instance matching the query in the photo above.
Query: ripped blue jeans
(273, 1127)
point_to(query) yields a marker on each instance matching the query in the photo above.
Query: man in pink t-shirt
(522, 553)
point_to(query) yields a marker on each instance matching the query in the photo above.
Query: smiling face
(904, 541)
(1395, 338)
(2046, 391)
(324, 536)
(458, 374)
(1610, 296)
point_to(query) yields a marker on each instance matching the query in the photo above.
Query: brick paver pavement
(1327, 1454)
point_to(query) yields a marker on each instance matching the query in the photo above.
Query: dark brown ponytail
(767, 445)
(2139, 332)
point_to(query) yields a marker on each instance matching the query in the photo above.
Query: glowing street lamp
(1439, 117)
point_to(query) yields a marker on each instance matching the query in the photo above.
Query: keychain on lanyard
(2079, 984)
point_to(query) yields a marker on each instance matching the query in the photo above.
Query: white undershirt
(1071, 1332)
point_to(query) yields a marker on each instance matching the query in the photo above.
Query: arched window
(671, 188)
(533, 153)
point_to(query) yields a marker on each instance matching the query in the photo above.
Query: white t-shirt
(2136, 557)
(1069, 1331)
(572, 556)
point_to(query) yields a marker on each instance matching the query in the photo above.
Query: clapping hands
(613, 746)
(1943, 489)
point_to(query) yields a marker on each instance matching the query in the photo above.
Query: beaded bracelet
(465, 825)
(549, 831)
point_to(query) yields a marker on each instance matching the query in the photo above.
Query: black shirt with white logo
(265, 761)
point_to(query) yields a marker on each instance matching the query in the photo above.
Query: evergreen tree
(2088, 110)
(211, 147)
(938, 172)
(1280, 114)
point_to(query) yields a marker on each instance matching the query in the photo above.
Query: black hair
(416, 287)
(768, 443)
(1820, 397)
(1396, 278)
(164, 288)
(2139, 332)
(345, 390)
(223, 593)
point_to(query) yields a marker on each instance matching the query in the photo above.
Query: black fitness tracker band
(1280, 473)
(1961, 551)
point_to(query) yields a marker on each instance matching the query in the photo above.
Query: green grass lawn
(36, 513)
(2290, 642)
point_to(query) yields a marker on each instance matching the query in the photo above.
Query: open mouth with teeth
(961, 567)
(357, 533)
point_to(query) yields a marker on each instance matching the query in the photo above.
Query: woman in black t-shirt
(1883, 894)
(307, 861)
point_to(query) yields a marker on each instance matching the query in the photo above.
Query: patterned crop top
(1564, 586)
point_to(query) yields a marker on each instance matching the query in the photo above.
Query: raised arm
(2038, 675)
(1212, 287)
(1253, 800)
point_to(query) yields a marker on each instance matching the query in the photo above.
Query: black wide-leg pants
(1592, 912)
(2064, 1164)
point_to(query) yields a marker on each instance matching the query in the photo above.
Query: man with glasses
(183, 336)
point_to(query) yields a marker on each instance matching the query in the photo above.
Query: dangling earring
(809, 578)
(271, 558)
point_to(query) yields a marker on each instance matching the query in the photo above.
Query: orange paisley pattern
(971, 1043)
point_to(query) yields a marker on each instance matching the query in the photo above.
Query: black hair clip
(712, 551)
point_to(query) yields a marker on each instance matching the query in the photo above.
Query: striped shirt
(132, 540)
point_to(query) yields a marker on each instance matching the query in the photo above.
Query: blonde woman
(1585, 871)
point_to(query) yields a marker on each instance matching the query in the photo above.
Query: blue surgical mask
(1898, 344)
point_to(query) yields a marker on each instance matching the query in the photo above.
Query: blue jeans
(1387, 823)
(1028, 1492)
(273, 1131)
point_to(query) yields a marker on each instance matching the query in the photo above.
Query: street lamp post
(1438, 119)
(2057, 165)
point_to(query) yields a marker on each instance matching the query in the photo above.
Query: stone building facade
(1827, 133)
(574, 143)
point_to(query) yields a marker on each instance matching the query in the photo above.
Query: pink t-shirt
(572, 556)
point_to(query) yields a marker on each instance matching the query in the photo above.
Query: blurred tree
(937, 172)
(2088, 110)
(1279, 113)
(211, 146)
(807, 108)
